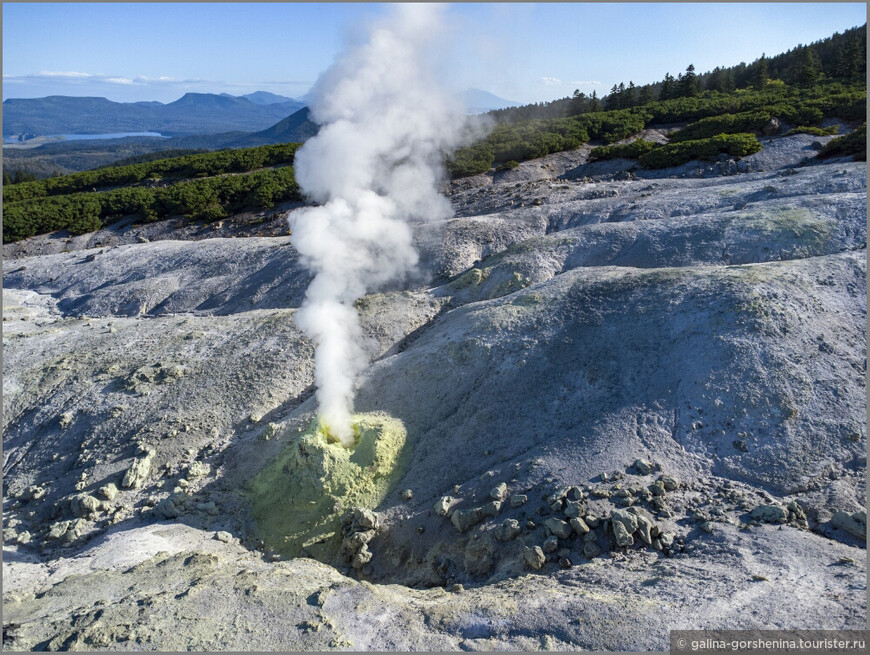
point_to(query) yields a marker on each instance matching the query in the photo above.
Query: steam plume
(373, 168)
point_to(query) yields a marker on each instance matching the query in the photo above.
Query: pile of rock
(358, 527)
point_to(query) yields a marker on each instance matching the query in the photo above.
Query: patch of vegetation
(508, 166)
(199, 165)
(854, 143)
(674, 154)
(202, 199)
(710, 113)
(146, 157)
(816, 131)
(631, 150)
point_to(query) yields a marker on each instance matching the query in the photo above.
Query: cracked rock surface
(632, 399)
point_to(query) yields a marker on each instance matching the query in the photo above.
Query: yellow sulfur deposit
(299, 498)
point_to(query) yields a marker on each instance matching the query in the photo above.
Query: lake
(84, 137)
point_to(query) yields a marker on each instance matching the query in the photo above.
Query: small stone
(573, 509)
(224, 536)
(442, 506)
(770, 514)
(455, 588)
(855, 524)
(796, 512)
(109, 491)
(592, 521)
(558, 528)
(33, 492)
(58, 529)
(534, 557)
(623, 537)
(137, 473)
(564, 563)
(575, 493)
(508, 530)
(407, 494)
(255, 417)
(601, 493)
(198, 470)
(498, 492)
(366, 519)
(76, 529)
(669, 482)
(492, 508)
(657, 488)
(708, 526)
(463, 519)
(624, 525)
(356, 540)
(363, 557)
(84, 505)
(643, 467)
(518, 500)
(23, 538)
(551, 545)
(167, 509)
(666, 539)
(579, 526)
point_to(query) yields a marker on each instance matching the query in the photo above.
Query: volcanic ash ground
(623, 403)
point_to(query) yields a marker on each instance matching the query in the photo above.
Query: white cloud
(586, 83)
(550, 81)
(70, 74)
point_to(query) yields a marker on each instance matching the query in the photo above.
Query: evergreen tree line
(840, 57)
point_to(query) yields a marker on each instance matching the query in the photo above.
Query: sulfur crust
(298, 499)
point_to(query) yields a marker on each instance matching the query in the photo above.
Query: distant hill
(296, 128)
(193, 113)
(478, 101)
(266, 98)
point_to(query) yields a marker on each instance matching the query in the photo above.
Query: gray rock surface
(709, 318)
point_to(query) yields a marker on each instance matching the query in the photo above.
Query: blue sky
(523, 52)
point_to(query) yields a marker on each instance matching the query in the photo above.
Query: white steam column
(373, 168)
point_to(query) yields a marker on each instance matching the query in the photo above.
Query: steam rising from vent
(373, 168)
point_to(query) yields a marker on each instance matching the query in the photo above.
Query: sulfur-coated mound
(299, 498)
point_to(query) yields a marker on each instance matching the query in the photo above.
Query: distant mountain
(193, 113)
(478, 101)
(266, 98)
(296, 128)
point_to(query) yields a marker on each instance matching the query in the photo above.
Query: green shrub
(748, 121)
(631, 150)
(201, 199)
(470, 161)
(507, 166)
(816, 131)
(674, 154)
(854, 143)
(198, 165)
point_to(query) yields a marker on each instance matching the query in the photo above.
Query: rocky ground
(634, 402)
